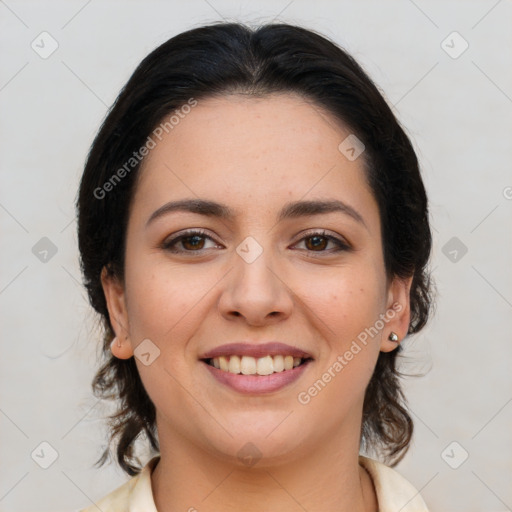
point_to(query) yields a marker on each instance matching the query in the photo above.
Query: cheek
(346, 302)
(347, 309)
(347, 306)
(164, 302)
(164, 305)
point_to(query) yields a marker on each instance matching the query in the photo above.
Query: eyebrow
(290, 210)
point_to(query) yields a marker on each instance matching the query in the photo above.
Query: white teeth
(248, 365)
(223, 362)
(265, 365)
(234, 364)
(288, 362)
(278, 363)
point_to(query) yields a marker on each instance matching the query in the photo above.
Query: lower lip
(258, 384)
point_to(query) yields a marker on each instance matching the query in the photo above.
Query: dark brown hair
(223, 58)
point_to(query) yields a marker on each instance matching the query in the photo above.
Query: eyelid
(341, 243)
(322, 232)
(176, 237)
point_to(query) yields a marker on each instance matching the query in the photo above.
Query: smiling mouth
(247, 365)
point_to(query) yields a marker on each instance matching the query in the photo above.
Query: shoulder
(135, 494)
(393, 491)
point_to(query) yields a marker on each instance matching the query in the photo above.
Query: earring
(393, 336)
(114, 341)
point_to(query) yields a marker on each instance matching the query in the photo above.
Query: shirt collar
(394, 492)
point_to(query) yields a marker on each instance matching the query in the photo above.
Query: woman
(254, 233)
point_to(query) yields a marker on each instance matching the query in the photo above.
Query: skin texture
(255, 155)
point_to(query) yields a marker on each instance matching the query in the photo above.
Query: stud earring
(116, 339)
(393, 336)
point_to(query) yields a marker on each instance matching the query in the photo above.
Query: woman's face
(276, 266)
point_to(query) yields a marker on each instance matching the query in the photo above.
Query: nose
(255, 292)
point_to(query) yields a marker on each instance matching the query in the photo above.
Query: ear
(116, 304)
(398, 313)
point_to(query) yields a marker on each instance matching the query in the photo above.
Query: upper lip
(272, 348)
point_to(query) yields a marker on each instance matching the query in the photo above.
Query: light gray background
(458, 112)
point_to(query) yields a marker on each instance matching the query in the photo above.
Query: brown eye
(316, 242)
(193, 242)
(319, 242)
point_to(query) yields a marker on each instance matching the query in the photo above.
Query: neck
(327, 478)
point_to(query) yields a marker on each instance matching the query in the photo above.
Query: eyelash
(169, 245)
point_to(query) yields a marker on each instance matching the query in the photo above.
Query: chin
(261, 444)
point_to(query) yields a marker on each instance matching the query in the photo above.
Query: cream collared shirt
(394, 492)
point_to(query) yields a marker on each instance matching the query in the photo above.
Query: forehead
(254, 151)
